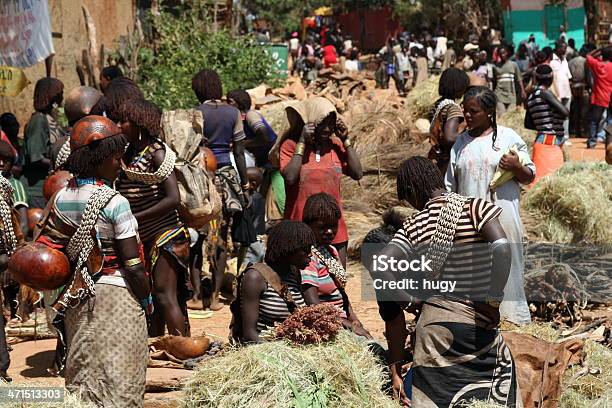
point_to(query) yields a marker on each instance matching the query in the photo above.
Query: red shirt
(602, 74)
(315, 177)
(329, 55)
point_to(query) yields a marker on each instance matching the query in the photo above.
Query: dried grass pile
(585, 386)
(377, 190)
(342, 373)
(590, 385)
(574, 204)
(276, 117)
(376, 122)
(421, 98)
(542, 331)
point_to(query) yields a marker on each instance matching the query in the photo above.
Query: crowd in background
(581, 83)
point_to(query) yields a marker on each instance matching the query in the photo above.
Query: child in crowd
(255, 252)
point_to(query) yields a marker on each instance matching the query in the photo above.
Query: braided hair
(453, 83)
(47, 92)
(242, 99)
(118, 92)
(85, 160)
(285, 238)
(144, 114)
(419, 176)
(488, 101)
(206, 84)
(321, 207)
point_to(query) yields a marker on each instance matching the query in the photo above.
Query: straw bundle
(422, 97)
(574, 204)
(377, 190)
(343, 373)
(276, 117)
(373, 122)
(590, 385)
(542, 331)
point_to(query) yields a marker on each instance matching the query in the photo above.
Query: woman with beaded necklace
(149, 184)
(106, 329)
(459, 353)
(324, 279)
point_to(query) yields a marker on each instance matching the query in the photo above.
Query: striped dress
(459, 355)
(545, 118)
(316, 274)
(144, 196)
(469, 262)
(272, 308)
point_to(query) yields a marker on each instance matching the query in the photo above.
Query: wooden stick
(93, 46)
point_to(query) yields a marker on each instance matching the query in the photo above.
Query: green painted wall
(520, 23)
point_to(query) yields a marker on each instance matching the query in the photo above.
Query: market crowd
(111, 198)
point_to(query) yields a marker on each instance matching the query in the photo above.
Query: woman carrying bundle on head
(482, 150)
(149, 184)
(105, 302)
(316, 151)
(459, 354)
(447, 116)
(269, 292)
(545, 114)
(324, 279)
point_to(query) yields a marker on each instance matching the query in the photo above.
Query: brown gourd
(182, 348)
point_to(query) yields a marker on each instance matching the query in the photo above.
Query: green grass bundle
(421, 98)
(342, 373)
(593, 389)
(574, 204)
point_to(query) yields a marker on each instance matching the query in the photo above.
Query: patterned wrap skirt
(107, 349)
(458, 359)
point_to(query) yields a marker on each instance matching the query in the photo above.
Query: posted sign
(25, 32)
(12, 81)
(280, 55)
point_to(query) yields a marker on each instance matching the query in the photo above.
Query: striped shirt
(20, 195)
(115, 222)
(469, 261)
(317, 275)
(545, 118)
(506, 78)
(144, 196)
(272, 308)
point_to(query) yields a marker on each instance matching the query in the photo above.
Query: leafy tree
(458, 18)
(179, 44)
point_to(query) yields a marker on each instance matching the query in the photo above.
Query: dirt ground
(29, 360)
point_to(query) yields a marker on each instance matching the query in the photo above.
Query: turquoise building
(544, 19)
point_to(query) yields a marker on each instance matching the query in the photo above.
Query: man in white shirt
(561, 83)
